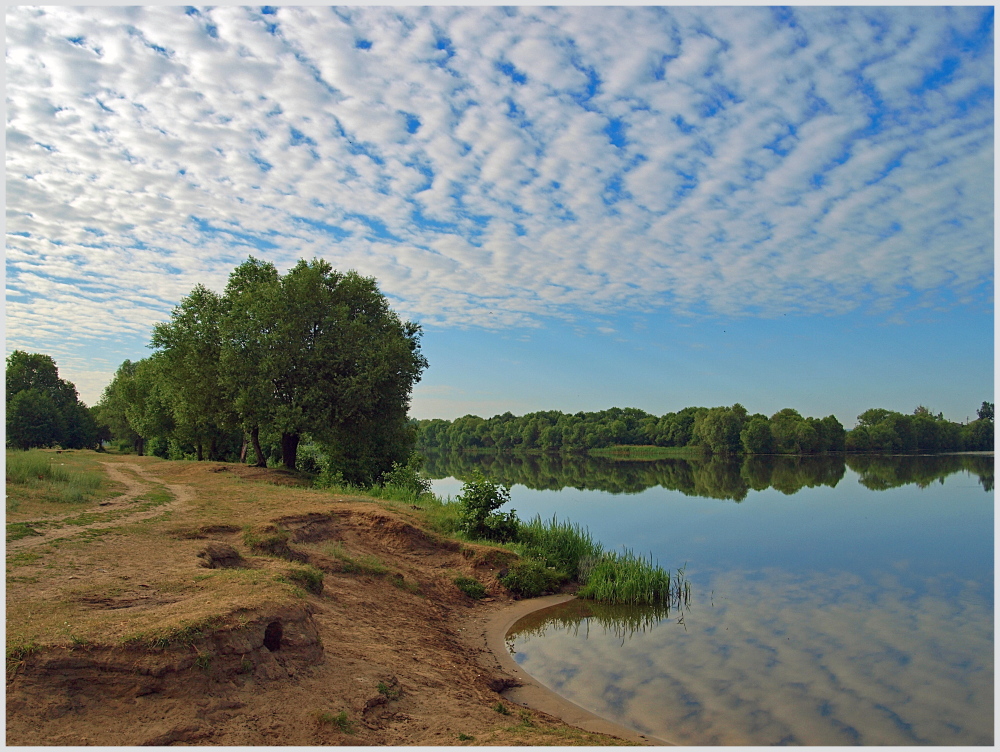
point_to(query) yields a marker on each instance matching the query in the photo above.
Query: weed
(203, 661)
(17, 652)
(501, 708)
(526, 719)
(391, 693)
(78, 643)
(471, 587)
(246, 666)
(466, 738)
(340, 720)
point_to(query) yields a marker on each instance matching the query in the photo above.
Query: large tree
(43, 409)
(314, 352)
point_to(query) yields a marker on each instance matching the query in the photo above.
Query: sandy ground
(393, 657)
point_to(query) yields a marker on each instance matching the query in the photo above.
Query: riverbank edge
(493, 629)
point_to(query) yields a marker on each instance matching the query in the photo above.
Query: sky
(587, 207)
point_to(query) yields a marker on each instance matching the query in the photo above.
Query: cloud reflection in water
(776, 657)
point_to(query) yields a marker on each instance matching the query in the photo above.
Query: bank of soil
(153, 622)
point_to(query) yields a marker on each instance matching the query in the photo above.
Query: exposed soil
(388, 652)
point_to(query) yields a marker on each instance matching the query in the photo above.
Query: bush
(478, 518)
(529, 578)
(405, 481)
(471, 587)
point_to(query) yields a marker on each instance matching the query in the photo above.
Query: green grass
(44, 473)
(627, 579)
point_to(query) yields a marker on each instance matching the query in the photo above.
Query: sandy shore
(490, 630)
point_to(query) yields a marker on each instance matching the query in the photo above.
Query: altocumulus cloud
(498, 167)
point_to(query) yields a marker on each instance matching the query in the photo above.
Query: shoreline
(491, 632)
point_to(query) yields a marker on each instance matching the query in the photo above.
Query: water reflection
(712, 477)
(783, 658)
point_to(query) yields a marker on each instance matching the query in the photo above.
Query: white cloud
(720, 159)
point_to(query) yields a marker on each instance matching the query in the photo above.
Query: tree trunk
(198, 449)
(289, 448)
(255, 438)
(243, 450)
(139, 445)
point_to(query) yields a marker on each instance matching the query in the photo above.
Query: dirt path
(136, 484)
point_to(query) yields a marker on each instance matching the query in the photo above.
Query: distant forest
(717, 430)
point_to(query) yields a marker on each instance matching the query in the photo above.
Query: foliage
(312, 354)
(560, 545)
(624, 578)
(407, 478)
(479, 500)
(530, 578)
(471, 587)
(42, 409)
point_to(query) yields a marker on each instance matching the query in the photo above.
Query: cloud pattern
(498, 167)
(829, 658)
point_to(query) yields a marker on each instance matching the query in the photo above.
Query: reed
(627, 579)
(560, 544)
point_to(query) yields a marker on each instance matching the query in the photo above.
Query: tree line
(314, 354)
(44, 410)
(719, 430)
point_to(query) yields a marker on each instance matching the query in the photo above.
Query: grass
(45, 476)
(364, 564)
(390, 693)
(627, 579)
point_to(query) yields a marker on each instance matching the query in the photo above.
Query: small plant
(501, 708)
(340, 720)
(203, 661)
(478, 518)
(246, 666)
(471, 587)
(390, 692)
(405, 481)
(466, 738)
(526, 719)
(78, 643)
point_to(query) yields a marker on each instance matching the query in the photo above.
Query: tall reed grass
(628, 579)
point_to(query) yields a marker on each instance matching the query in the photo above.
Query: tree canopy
(313, 353)
(42, 409)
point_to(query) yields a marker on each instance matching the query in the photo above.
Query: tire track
(137, 484)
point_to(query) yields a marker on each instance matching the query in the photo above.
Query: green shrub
(471, 587)
(529, 578)
(478, 518)
(405, 480)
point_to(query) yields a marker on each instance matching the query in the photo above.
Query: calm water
(833, 604)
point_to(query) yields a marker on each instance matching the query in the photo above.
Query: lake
(835, 601)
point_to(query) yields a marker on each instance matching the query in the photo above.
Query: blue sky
(588, 207)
